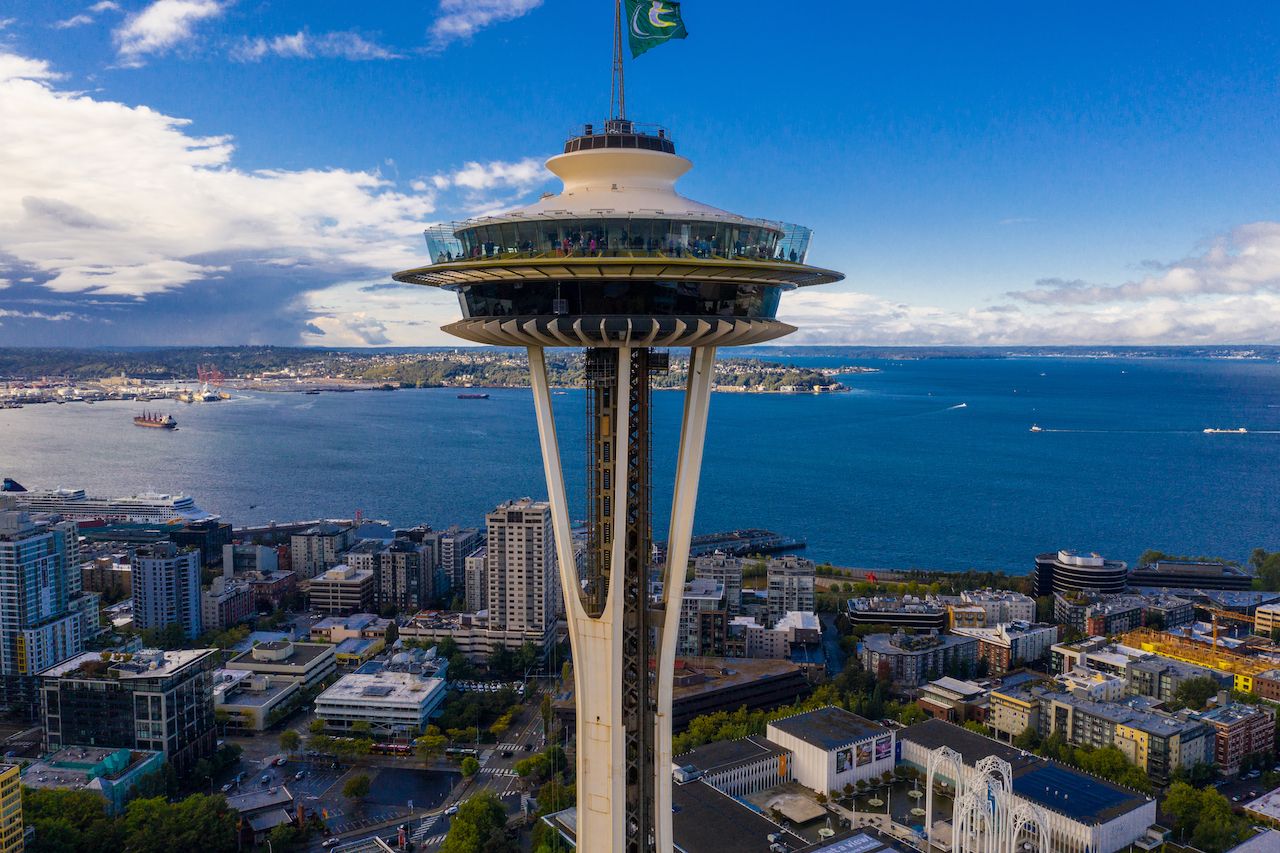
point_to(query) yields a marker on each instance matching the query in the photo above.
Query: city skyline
(214, 172)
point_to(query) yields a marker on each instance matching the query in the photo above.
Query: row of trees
(1204, 818)
(77, 820)
(1107, 762)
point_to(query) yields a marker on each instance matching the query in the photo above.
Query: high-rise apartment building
(521, 563)
(43, 612)
(477, 580)
(320, 548)
(342, 590)
(790, 586)
(166, 589)
(403, 571)
(456, 544)
(150, 700)
(703, 619)
(726, 570)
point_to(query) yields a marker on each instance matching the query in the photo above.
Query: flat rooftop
(302, 654)
(267, 798)
(829, 728)
(707, 821)
(1083, 798)
(68, 768)
(148, 663)
(354, 646)
(381, 688)
(243, 689)
(728, 754)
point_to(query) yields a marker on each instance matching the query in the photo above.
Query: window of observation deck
(634, 236)
(620, 298)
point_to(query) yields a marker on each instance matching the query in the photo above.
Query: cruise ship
(74, 504)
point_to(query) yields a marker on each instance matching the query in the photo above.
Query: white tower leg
(693, 431)
(596, 642)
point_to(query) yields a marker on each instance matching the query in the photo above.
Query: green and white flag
(651, 23)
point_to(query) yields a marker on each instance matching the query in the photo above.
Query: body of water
(926, 464)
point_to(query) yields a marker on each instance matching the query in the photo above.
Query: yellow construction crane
(1216, 613)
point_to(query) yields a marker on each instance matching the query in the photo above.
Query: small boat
(473, 396)
(1037, 428)
(311, 393)
(155, 420)
(1240, 431)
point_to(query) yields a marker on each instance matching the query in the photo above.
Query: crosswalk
(498, 771)
(424, 829)
(510, 747)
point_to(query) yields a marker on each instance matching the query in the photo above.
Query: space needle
(622, 265)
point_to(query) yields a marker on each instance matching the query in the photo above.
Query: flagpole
(618, 94)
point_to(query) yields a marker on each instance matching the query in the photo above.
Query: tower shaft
(623, 717)
(620, 478)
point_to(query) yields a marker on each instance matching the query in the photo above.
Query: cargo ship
(155, 420)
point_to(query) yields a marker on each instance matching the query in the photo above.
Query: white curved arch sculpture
(1032, 819)
(942, 759)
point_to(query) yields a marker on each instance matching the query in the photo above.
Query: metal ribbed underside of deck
(610, 331)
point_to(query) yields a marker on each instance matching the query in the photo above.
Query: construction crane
(1216, 613)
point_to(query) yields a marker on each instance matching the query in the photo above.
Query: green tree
(1028, 740)
(1195, 693)
(470, 766)
(473, 826)
(69, 820)
(431, 744)
(284, 837)
(316, 726)
(547, 712)
(911, 714)
(357, 787)
(199, 822)
(361, 728)
(290, 740)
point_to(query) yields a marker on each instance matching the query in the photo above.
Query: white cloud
(521, 174)
(99, 196)
(162, 26)
(74, 21)
(303, 45)
(461, 19)
(838, 316)
(14, 67)
(1243, 262)
(88, 16)
(36, 315)
(5, 23)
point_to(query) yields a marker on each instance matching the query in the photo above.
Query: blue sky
(241, 171)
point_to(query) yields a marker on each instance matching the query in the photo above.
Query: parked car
(452, 810)
(297, 777)
(265, 780)
(226, 787)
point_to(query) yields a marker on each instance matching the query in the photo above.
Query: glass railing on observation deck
(634, 237)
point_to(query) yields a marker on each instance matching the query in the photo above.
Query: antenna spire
(618, 93)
